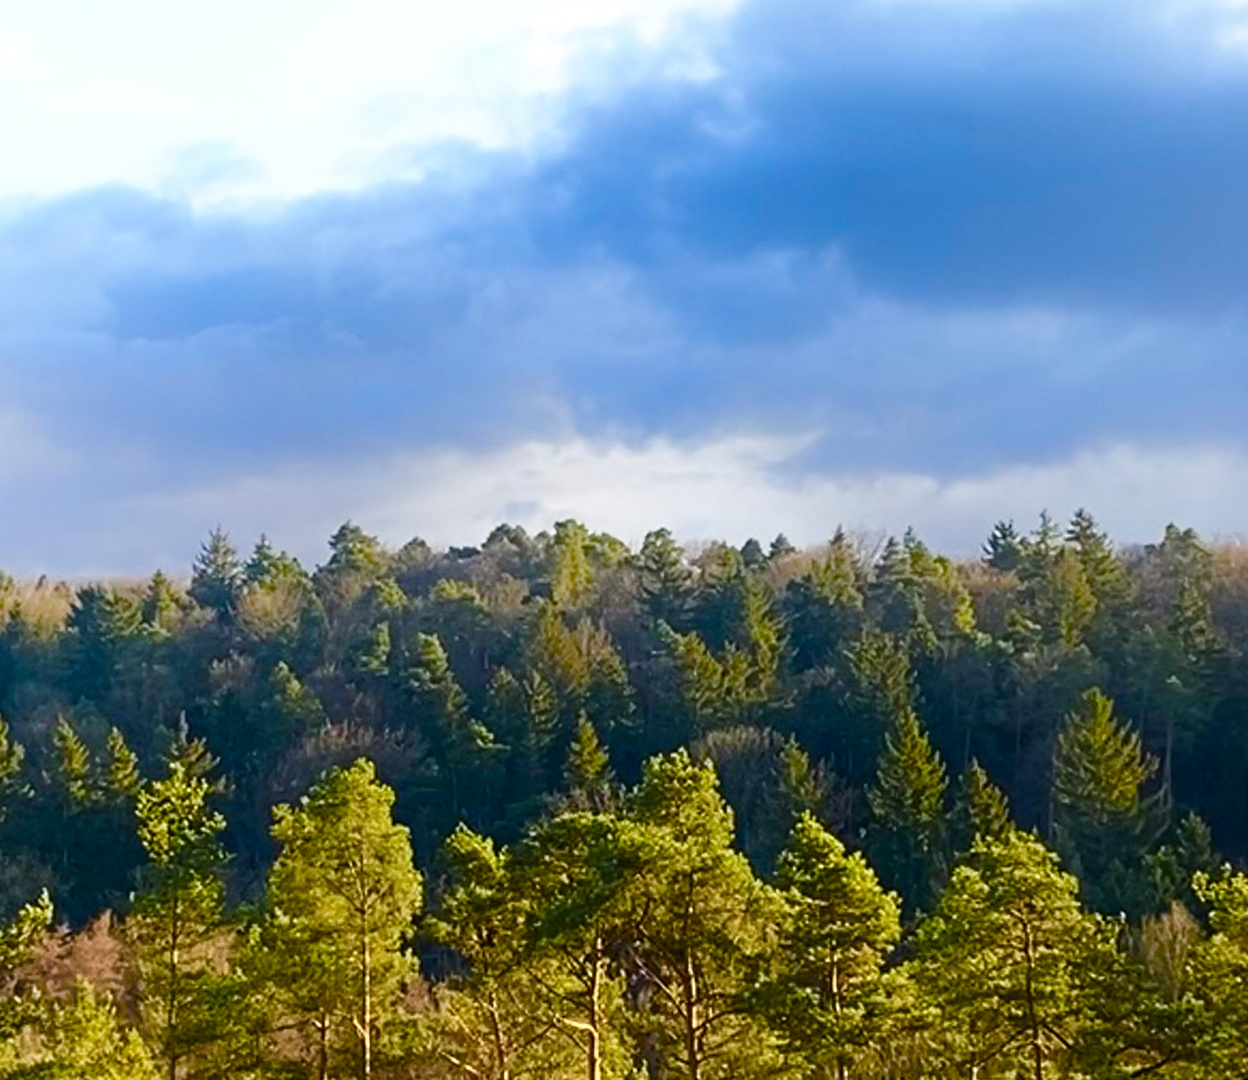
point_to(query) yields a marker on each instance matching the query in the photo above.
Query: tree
(695, 922)
(907, 807)
(587, 775)
(981, 811)
(217, 576)
(824, 997)
(666, 579)
(178, 913)
(571, 575)
(494, 1020)
(343, 894)
(18, 940)
(1000, 959)
(460, 743)
(82, 1039)
(1102, 823)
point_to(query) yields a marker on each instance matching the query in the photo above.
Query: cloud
(956, 240)
(731, 488)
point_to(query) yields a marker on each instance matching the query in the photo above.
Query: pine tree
(571, 875)
(571, 575)
(836, 932)
(342, 896)
(1003, 549)
(695, 922)
(83, 1039)
(160, 603)
(18, 940)
(666, 579)
(1000, 959)
(178, 914)
(494, 1020)
(124, 777)
(460, 743)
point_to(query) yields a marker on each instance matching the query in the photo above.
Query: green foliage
(217, 576)
(825, 997)
(1102, 822)
(592, 925)
(907, 806)
(178, 915)
(81, 1039)
(343, 894)
(1000, 959)
(981, 811)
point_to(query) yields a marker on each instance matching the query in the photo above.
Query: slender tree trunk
(322, 1030)
(500, 1046)
(691, 1019)
(594, 1041)
(1037, 1053)
(366, 1012)
(171, 998)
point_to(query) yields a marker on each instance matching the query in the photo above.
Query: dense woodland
(554, 807)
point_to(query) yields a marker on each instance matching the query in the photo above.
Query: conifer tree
(83, 1039)
(838, 926)
(160, 603)
(460, 743)
(696, 923)
(494, 1020)
(1001, 958)
(907, 806)
(666, 580)
(343, 894)
(216, 578)
(587, 775)
(178, 914)
(1102, 822)
(18, 940)
(981, 810)
(571, 575)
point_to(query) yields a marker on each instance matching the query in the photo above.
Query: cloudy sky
(730, 267)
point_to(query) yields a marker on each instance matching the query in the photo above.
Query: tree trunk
(691, 1020)
(594, 1041)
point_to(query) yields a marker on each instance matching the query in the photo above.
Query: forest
(554, 806)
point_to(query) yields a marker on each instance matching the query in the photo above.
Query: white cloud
(730, 487)
(315, 93)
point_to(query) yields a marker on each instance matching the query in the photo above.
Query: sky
(733, 267)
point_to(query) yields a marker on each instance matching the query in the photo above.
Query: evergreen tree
(587, 775)
(342, 896)
(1000, 960)
(18, 940)
(460, 743)
(1102, 822)
(825, 997)
(571, 575)
(665, 578)
(494, 1020)
(178, 915)
(695, 924)
(1003, 549)
(907, 806)
(216, 578)
(981, 811)
(83, 1039)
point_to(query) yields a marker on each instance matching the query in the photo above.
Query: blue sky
(728, 267)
